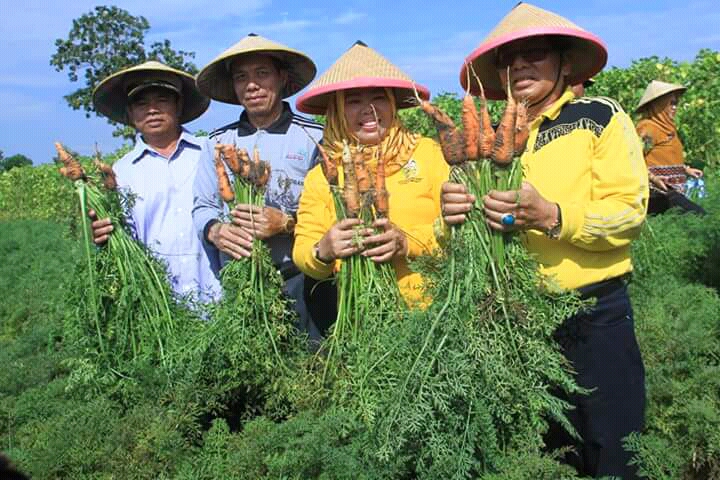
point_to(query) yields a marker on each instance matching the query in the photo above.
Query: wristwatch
(554, 231)
(316, 254)
(289, 226)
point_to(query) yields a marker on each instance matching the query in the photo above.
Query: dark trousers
(294, 289)
(661, 202)
(321, 299)
(601, 345)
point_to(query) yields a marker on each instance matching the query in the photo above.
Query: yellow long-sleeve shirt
(584, 155)
(414, 206)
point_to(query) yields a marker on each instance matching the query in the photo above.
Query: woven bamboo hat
(588, 52)
(110, 97)
(359, 67)
(215, 80)
(657, 89)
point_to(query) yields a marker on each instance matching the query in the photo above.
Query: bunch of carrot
(129, 299)
(367, 291)
(247, 282)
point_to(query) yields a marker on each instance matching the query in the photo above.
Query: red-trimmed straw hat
(657, 89)
(110, 97)
(360, 67)
(588, 53)
(215, 80)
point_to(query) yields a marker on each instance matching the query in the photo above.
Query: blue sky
(429, 40)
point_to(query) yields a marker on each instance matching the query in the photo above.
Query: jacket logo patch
(410, 172)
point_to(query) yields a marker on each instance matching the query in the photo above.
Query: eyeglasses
(505, 59)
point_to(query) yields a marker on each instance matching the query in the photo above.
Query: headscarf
(397, 147)
(659, 134)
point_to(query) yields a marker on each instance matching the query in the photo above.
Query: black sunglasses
(505, 59)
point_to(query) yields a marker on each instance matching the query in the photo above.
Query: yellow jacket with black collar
(584, 154)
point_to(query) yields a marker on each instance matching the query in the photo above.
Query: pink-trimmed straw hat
(360, 67)
(588, 53)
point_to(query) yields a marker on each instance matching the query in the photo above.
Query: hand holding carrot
(261, 222)
(101, 229)
(456, 203)
(530, 209)
(389, 243)
(339, 241)
(231, 239)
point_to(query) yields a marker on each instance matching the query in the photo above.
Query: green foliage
(104, 41)
(698, 116)
(18, 160)
(38, 192)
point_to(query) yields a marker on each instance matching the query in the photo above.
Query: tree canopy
(104, 41)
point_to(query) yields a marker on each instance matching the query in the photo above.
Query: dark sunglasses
(505, 59)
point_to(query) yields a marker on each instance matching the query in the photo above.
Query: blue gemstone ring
(508, 219)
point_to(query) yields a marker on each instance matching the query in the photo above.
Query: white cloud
(350, 17)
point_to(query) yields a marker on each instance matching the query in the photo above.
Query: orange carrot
(486, 135)
(350, 188)
(244, 160)
(471, 125)
(361, 172)
(226, 191)
(382, 204)
(72, 170)
(109, 179)
(264, 174)
(451, 139)
(328, 166)
(231, 158)
(504, 147)
(522, 132)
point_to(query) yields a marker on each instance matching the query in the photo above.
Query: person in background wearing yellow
(582, 203)
(360, 95)
(663, 149)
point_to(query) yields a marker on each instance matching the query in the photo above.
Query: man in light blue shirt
(258, 74)
(158, 173)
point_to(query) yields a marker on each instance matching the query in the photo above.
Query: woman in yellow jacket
(360, 95)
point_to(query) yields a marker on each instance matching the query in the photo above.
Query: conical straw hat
(215, 80)
(657, 89)
(587, 51)
(360, 67)
(110, 97)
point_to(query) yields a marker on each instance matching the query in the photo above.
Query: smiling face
(360, 118)
(258, 85)
(155, 112)
(537, 71)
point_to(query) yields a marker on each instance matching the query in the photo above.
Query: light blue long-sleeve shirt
(286, 144)
(162, 212)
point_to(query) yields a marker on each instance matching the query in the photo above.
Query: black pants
(321, 300)
(661, 202)
(601, 345)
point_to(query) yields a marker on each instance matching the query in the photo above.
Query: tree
(18, 160)
(104, 41)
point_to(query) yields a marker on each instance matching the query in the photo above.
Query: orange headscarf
(663, 147)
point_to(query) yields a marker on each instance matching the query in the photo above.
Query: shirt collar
(141, 148)
(281, 125)
(552, 112)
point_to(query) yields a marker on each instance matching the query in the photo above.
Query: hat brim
(645, 102)
(588, 55)
(111, 100)
(315, 101)
(215, 79)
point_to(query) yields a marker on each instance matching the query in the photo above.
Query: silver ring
(508, 219)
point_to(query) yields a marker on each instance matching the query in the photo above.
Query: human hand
(659, 184)
(261, 222)
(529, 208)
(339, 241)
(694, 172)
(389, 243)
(101, 229)
(455, 203)
(231, 239)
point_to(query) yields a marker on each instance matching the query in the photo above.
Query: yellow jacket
(584, 155)
(414, 206)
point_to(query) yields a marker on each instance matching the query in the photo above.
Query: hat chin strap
(555, 84)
